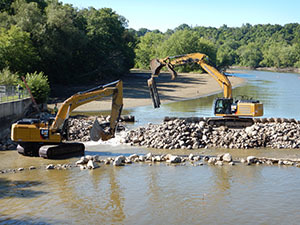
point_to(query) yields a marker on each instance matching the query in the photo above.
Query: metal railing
(12, 93)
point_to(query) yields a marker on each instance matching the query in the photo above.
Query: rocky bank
(184, 134)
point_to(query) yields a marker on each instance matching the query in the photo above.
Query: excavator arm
(88, 96)
(170, 62)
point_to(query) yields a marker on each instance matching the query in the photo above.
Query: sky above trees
(163, 15)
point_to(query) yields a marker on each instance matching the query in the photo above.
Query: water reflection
(19, 188)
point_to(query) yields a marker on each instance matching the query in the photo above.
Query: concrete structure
(12, 111)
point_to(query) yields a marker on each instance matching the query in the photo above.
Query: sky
(167, 14)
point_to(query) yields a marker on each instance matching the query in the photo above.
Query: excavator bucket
(154, 93)
(98, 131)
(156, 66)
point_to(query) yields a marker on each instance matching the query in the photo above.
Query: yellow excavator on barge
(228, 112)
(48, 139)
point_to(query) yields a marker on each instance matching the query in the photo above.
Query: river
(143, 193)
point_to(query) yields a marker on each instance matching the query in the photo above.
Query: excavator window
(223, 106)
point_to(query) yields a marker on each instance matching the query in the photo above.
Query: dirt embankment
(136, 91)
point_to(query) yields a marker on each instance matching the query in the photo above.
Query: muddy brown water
(141, 193)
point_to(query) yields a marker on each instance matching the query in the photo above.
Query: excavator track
(29, 149)
(62, 150)
(51, 151)
(230, 122)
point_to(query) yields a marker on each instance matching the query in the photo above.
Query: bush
(8, 78)
(39, 86)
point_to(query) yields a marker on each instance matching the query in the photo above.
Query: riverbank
(271, 69)
(136, 92)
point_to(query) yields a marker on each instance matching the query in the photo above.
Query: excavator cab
(223, 106)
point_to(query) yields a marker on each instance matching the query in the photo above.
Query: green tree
(279, 54)
(249, 55)
(226, 54)
(109, 54)
(17, 51)
(187, 41)
(147, 49)
(5, 5)
(29, 18)
(39, 86)
(8, 78)
(61, 43)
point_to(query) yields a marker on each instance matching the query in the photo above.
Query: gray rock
(50, 167)
(92, 165)
(251, 159)
(212, 160)
(174, 159)
(219, 163)
(119, 161)
(227, 157)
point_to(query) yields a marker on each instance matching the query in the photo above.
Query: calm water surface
(161, 194)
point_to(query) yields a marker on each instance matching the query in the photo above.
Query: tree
(279, 54)
(5, 5)
(142, 32)
(147, 49)
(62, 43)
(226, 54)
(249, 55)
(108, 52)
(17, 51)
(8, 78)
(187, 41)
(39, 86)
(182, 27)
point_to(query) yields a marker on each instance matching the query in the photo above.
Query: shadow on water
(111, 154)
(19, 189)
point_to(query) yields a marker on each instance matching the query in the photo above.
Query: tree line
(66, 43)
(70, 45)
(249, 46)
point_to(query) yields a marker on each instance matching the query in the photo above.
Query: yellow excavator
(47, 138)
(229, 112)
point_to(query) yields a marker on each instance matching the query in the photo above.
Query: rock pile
(79, 128)
(183, 134)
(93, 162)
(7, 144)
